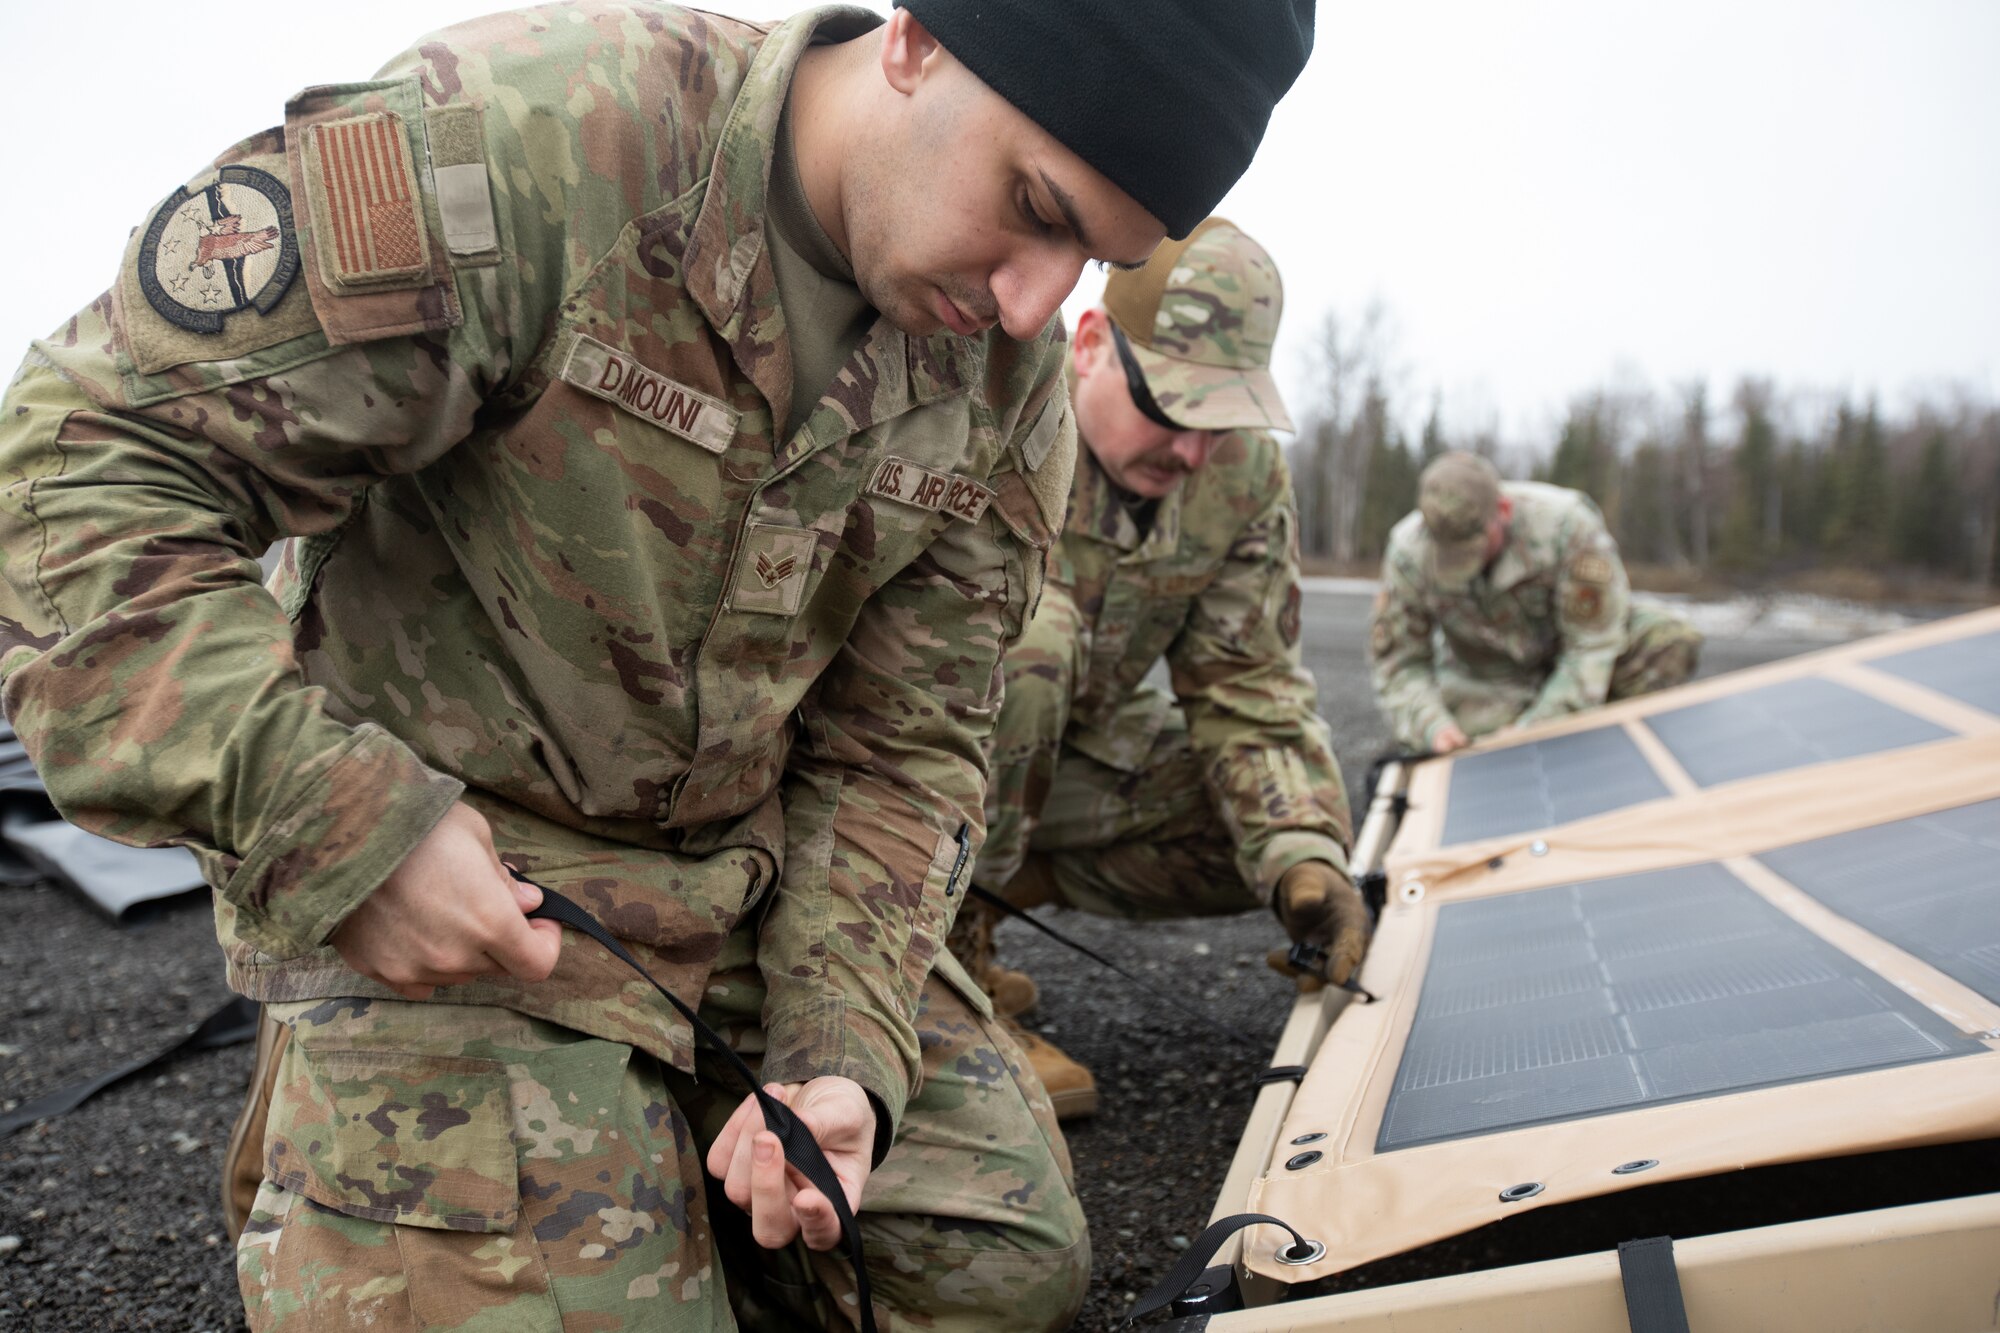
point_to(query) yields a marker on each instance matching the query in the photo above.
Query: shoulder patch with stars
(219, 251)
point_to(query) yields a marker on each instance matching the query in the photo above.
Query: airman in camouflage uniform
(1108, 794)
(581, 574)
(1504, 603)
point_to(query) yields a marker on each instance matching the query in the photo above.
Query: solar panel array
(1584, 999)
(1547, 783)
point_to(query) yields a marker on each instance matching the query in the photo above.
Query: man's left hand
(1320, 906)
(750, 1161)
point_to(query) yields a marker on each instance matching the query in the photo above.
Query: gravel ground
(109, 1216)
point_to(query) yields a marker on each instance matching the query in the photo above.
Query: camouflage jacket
(1534, 636)
(504, 368)
(1214, 586)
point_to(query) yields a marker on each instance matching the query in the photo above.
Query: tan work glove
(1319, 906)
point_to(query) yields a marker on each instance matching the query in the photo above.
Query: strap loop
(1194, 1260)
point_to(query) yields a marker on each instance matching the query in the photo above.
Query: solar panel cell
(1965, 669)
(1783, 726)
(1587, 998)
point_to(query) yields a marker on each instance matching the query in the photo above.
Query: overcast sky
(1544, 195)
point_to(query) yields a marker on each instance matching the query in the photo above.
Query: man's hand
(448, 914)
(750, 1161)
(1319, 906)
(1449, 737)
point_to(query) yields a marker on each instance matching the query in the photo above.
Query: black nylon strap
(1222, 1029)
(1135, 382)
(1194, 1260)
(1280, 1074)
(801, 1149)
(1652, 1286)
(234, 1022)
(1381, 762)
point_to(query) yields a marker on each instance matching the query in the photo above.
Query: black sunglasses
(1135, 380)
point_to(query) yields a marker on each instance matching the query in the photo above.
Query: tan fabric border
(1913, 698)
(1375, 1206)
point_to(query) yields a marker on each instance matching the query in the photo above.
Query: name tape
(939, 492)
(618, 377)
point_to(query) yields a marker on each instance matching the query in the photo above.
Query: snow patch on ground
(1772, 616)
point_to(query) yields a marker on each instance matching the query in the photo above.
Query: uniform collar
(1511, 565)
(728, 268)
(1097, 512)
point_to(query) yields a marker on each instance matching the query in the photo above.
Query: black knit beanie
(1168, 98)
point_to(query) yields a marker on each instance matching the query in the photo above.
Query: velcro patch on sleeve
(939, 492)
(619, 378)
(465, 196)
(366, 208)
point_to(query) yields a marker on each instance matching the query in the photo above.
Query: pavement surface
(109, 1217)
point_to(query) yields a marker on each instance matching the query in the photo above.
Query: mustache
(978, 304)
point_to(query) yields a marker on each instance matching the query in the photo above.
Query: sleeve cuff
(340, 839)
(862, 1050)
(1289, 849)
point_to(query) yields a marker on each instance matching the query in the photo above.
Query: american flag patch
(367, 207)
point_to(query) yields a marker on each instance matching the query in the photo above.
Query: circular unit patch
(228, 247)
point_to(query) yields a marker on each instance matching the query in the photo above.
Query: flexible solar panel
(1966, 669)
(1583, 999)
(1930, 886)
(1547, 783)
(1787, 725)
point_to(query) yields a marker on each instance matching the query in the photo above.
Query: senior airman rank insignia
(939, 492)
(228, 247)
(771, 572)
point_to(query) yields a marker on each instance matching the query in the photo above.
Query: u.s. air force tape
(620, 378)
(939, 492)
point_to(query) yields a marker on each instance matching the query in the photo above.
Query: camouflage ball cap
(1458, 495)
(1201, 318)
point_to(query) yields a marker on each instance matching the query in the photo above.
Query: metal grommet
(1303, 1160)
(1309, 1138)
(1299, 1253)
(1538, 848)
(1496, 863)
(1525, 1190)
(1634, 1168)
(1412, 891)
(1200, 1291)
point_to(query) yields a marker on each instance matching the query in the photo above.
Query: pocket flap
(405, 1138)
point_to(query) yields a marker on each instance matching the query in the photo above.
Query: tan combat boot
(243, 1163)
(1071, 1088)
(971, 942)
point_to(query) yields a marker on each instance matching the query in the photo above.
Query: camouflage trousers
(1662, 651)
(1128, 826)
(435, 1166)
